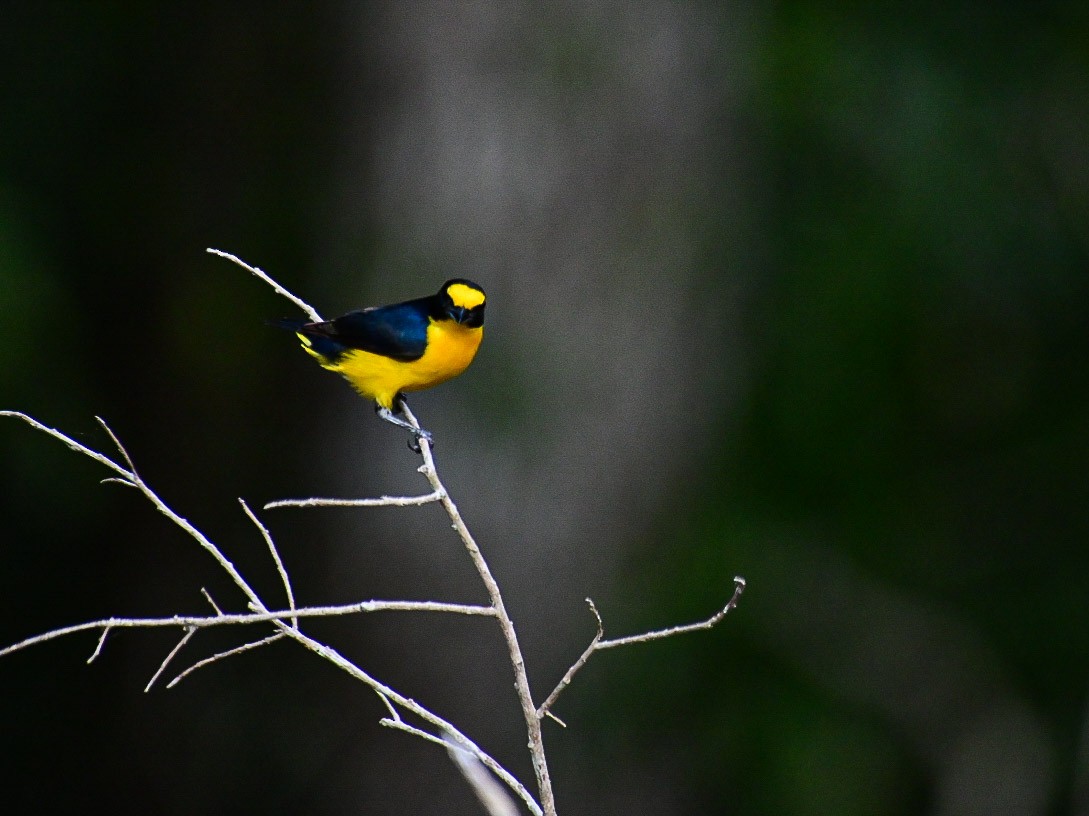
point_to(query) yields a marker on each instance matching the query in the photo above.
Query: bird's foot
(417, 435)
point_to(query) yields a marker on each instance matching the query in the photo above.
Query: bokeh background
(790, 290)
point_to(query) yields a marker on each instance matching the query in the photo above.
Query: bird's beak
(459, 314)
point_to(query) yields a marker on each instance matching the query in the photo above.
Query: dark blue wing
(398, 331)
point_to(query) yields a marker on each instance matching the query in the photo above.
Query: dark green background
(891, 200)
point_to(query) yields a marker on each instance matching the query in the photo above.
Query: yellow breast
(450, 349)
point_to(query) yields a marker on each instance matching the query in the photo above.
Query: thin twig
(646, 637)
(207, 595)
(117, 443)
(397, 724)
(100, 644)
(382, 501)
(73, 444)
(117, 480)
(494, 799)
(184, 639)
(245, 647)
(337, 659)
(160, 505)
(546, 706)
(389, 706)
(275, 556)
(311, 312)
(599, 643)
(242, 619)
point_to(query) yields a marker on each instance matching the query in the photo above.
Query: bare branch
(382, 501)
(98, 647)
(555, 719)
(117, 443)
(739, 587)
(245, 647)
(203, 622)
(599, 643)
(275, 556)
(494, 799)
(397, 724)
(117, 480)
(131, 476)
(521, 678)
(546, 706)
(389, 706)
(126, 475)
(185, 639)
(337, 659)
(311, 312)
(211, 601)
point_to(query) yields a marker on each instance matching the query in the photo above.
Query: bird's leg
(417, 433)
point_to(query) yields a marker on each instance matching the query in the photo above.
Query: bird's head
(463, 302)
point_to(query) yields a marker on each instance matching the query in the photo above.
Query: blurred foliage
(917, 422)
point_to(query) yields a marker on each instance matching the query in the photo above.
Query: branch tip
(311, 312)
(98, 648)
(552, 716)
(597, 616)
(212, 603)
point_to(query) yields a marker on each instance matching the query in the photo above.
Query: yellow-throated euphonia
(384, 351)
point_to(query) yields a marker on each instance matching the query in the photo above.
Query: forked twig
(599, 643)
(443, 726)
(245, 647)
(275, 556)
(184, 639)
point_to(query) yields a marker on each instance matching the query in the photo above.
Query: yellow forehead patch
(465, 296)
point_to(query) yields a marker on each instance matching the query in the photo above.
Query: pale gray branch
(311, 312)
(739, 587)
(599, 643)
(337, 659)
(382, 501)
(521, 678)
(546, 706)
(99, 645)
(117, 443)
(211, 601)
(491, 795)
(126, 476)
(245, 647)
(389, 706)
(397, 724)
(242, 619)
(184, 639)
(275, 555)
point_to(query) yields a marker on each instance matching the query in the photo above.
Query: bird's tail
(315, 341)
(289, 323)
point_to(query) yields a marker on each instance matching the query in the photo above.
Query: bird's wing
(398, 331)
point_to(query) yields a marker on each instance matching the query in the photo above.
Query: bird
(385, 351)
